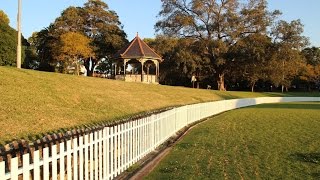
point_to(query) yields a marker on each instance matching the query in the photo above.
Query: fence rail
(106, 153)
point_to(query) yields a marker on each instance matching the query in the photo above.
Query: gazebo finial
(137, 34)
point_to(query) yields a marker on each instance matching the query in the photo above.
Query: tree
(251, 55)
(74, 46)
(284, 67)
(46, 43)
(8, 41)
(287, 59)
(181, 60)
(104, 66)
(216, 24)
(4, 18)
(97, 22)
(311, 69)
(311, 75)
(312, 55)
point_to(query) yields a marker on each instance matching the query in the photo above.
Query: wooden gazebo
(136, 62)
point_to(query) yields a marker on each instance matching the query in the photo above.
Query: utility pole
(19, 35)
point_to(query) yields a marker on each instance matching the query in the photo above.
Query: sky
(141, 15)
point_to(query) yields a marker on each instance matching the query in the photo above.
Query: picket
(118, 147)
(104, 168)
(14, 168)
(36, 165)
(81, 157)
(75, 158)
(100, 154)
(69, 167)
(91, 156)
(122, 148)
(46, 164)
(111, 152)
(25, 165)
(131, 145)
(86, 157)
(96, 159)
(2, 170)
(61, 158)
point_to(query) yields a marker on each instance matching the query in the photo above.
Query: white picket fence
(107, 153)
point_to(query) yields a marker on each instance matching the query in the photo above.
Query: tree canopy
(234, 41)
(217, 25)
(8, 42)
(4, 18)
(94, 20)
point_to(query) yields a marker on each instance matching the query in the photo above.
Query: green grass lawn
(34, 103)
(271, 141)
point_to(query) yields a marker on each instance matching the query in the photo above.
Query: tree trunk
(221, 86)
(309, 87)
(252, 87)
(90, 67)
(282, 88)
(77, 69)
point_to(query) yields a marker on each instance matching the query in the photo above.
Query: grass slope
(281, 141)
(33, 102)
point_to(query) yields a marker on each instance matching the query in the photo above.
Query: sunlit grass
(33, 102)
(272, 141)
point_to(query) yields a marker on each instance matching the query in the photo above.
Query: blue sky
(140, 15)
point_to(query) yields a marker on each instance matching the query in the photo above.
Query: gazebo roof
(137, 49)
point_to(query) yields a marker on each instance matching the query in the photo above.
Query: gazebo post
(142, 71)
(124, 67)
(157, 70)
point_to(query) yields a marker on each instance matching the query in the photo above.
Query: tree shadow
(315, 175)
(310, 158)
(306, 157)
(292, 105)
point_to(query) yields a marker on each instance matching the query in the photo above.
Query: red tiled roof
(137, 49)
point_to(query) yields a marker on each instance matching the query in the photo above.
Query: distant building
(136, 62)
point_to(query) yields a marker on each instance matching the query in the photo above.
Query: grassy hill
(33, 102)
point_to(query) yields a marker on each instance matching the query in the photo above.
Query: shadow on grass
(310, 158)
(316, 175)
(306, 157)
(299, 105)
(228, 96)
